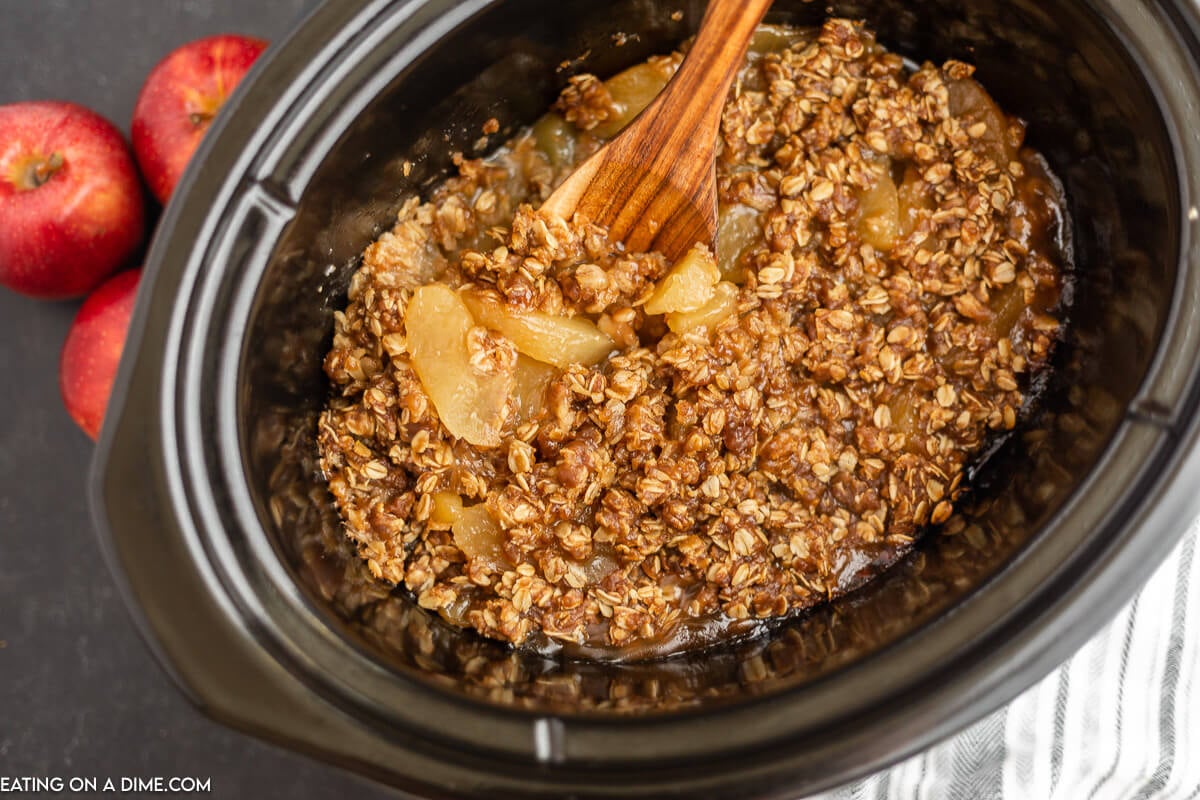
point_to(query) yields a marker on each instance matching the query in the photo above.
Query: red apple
(71, 208)
(179, 100)
(93, 349)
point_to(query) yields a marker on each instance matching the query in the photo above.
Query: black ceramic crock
(214, 517)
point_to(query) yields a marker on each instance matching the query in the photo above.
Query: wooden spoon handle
(654, 186)
(713, 62)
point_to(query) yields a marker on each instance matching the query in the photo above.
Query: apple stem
(200, 118)
(41, 170)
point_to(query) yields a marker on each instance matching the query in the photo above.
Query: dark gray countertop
(80, 694)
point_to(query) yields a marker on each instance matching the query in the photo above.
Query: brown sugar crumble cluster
(548, 439)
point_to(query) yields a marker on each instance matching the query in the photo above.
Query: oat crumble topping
(886, 285)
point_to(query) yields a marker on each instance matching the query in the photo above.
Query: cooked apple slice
(447, 506)
(973, 106)
(724, 302)
(689, 284)
(879, 214)
(548, 338)
(905, 408)
(913, 201)
(470, 404)
(1007, 305)
(602, 564)
(773, 39)
(738, 230)
(479, 535)
(631, 91)
(532, 379)
(555, 137)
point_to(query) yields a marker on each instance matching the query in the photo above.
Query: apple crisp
(551, 440)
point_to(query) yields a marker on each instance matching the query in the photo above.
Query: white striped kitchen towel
(1119, 721)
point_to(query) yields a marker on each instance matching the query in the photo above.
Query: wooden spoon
(655, 185)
